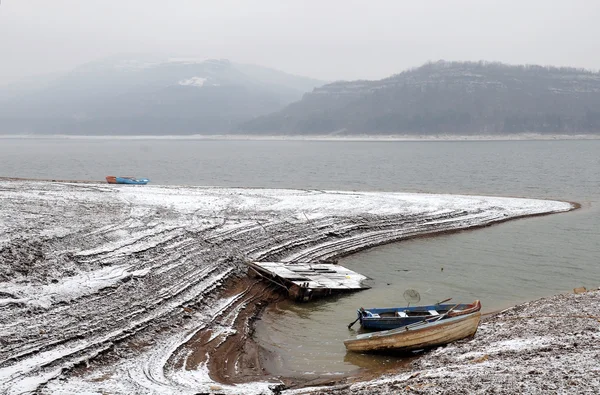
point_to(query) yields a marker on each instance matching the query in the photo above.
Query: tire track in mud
(230, 355)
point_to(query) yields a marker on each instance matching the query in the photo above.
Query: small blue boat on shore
(395, 317)
(126, 180)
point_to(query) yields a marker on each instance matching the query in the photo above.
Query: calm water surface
(501, 265)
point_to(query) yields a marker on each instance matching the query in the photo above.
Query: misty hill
(146, 95)
(456, 98)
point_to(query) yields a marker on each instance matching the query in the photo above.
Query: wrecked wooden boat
(126, 180)
(421, 335)
(394, 317)
(304, 281)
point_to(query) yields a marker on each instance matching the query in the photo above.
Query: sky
(325, 39)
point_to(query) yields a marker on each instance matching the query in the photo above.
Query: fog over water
(329, 40)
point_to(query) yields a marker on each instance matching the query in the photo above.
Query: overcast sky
(326, 39)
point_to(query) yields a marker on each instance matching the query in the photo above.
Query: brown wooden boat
(421, 335)
(111, 179)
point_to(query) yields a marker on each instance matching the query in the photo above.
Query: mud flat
(143, 289)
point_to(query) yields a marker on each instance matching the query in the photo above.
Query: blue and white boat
(395, 317)
(126, 180)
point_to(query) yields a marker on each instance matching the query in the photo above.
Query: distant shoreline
(235, 137)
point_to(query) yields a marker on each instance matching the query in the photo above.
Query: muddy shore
(144, 289)
(550, 345)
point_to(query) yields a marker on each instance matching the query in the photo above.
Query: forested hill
(455, 98)
(148, 95)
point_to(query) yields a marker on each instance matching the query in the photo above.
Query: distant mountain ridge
(148, 95)
(447, 98)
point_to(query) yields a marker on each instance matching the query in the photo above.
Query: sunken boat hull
(304, 281)
(417, 336)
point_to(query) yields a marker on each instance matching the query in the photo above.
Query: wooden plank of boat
(395, 317)
(417, 336)
(303, 281)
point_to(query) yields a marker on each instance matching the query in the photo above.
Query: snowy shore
(546, 346)
(87, 267)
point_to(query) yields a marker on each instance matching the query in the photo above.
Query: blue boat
(395, 317)
(126, 180)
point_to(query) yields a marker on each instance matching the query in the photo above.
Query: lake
(501, 265)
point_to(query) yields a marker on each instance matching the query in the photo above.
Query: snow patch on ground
(69, 288)
(194, 81)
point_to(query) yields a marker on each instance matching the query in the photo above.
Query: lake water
(501, 265)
